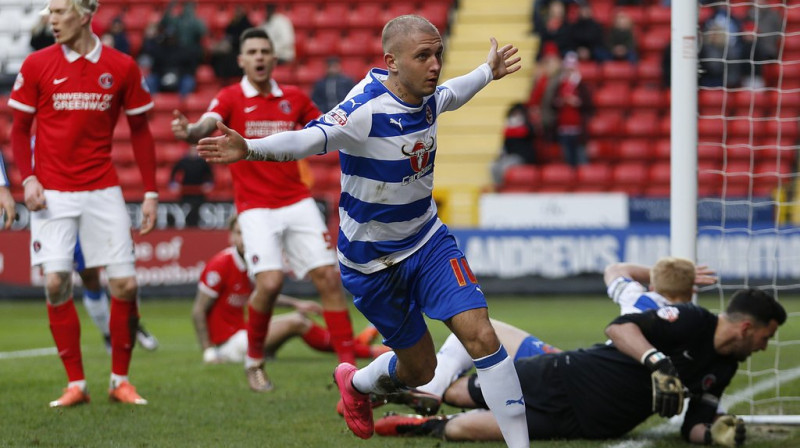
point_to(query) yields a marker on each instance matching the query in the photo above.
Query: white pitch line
(29, 353)
(728, 401)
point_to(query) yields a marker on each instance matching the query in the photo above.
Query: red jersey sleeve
(309, 111)
(211, 280)
(222, 105)
(25, 93)
(136, 99)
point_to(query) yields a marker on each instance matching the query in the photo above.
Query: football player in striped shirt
(396, 256)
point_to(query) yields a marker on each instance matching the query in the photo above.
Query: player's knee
(58, 287)
(124, 288)
(268, 284)
(481, 342)
(298, 323)
(326, 279)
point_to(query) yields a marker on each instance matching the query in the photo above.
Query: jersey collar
(250, 91)
(92, 56)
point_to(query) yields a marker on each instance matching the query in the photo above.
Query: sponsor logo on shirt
(106, 80)
(668, 313)
(82, 101)
(336, 116)
(18, 83)
(263, 128)
(419, 157)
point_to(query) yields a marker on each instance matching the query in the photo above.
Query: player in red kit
(75, 90)
(218, 312)
(276, 212)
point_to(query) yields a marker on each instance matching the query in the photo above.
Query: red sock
(318, 338)
(257, 327)
(362, 351)
(122, 324)
(66, 329)
(341, 329)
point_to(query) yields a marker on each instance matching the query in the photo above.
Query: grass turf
(194, 405)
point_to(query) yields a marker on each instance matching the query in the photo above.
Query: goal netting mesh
(748, 197)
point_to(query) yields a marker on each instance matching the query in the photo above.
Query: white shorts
(98, 216)
(234, 349)
(295, 231)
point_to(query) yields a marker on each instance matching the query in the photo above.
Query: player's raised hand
(180, 125)
(703, 275)
(149, 208)
(227, 148)
(502, 61)
(34, 194)
(7, 207)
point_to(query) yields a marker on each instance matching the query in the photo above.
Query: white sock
(251, 362)
(79, 383)
(502, 392)
(116, 380)
(98, 311)
(452, 361)
(367, 378)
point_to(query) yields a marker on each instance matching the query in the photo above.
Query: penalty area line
(32, 353)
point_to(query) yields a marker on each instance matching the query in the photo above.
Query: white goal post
(736, 162)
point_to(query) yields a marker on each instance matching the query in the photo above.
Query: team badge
(106, 80)
(336, 116)
(18, 83)
(708, 381)
(285, 106)
(37, 246)
(428, 114)
(419, 155)
(668, 313)
(212, 278)
(255, 259)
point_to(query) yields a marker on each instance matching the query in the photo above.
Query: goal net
(748, 202)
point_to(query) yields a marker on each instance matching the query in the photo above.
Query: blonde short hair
(82, 7)
(673, 278)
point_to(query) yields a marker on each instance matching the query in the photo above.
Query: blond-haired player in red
(276, 212)
(75, 90)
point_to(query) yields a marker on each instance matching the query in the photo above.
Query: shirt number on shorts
(457, 265)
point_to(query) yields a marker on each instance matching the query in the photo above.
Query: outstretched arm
(281, 147)
(191, 132)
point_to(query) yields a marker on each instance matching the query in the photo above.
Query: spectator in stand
(188, 31)
(586, 36)
(761, 41)
(192, 175)
(151, 40)
(42, 33)
(172, 69)
(120, 36)
(621, 41)
(280, 30)
(721, 21)
(225, 50)
(570, 102)
(547, 76)
(552, 27)
(518, 143)
(331, 89)
(715, 57)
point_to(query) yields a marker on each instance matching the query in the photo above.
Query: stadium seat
(657, 191)
(355, 67)
(310, 70)
(591, 72)
(630, 178)
(649, 99)
(648, 71)
(197, 103)
(356, 43)
(366, 15)
(205, 75)
(635, 150)
(654, 41)
(750, 99)
(710, 129)
(322, 45)
(658, 15)
(600, 150)
(604, 125)
(593, 177)
(619, 71)
(168, 154)
(521, 178)
(302, 15)
(659, 174)
(284, 74)
(557, 177)
(643, 125)
(613, 96)
(784, 129)
(331, 15)
(437, 13)
(744, 127)
(662, 149)
(710, 152)
(738, 153)
(166, 102)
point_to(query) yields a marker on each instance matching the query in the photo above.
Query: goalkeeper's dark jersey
(610, 393)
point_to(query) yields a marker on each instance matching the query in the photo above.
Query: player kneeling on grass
(218, 312)
(607, 390)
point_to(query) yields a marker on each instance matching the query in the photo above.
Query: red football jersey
(77, 100)
(242, 108)
(225, 277)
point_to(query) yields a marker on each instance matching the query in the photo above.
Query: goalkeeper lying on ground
(607, 390)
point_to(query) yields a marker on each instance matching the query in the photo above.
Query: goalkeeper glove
(667, 387)
(727, 430)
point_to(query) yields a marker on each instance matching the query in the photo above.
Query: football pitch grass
(197, 405)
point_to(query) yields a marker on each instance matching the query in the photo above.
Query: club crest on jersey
(19, 82)
(285, 106)
(213, 278)
(106, 80)
(255, 259)
(668, 313)
(37, 246)
(428, 114)
(336, 116)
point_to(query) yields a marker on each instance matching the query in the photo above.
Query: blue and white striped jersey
(633, 297)
(3, 174)
(387, 149)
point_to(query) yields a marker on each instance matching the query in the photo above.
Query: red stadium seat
(356, 43)
(654, 41)
(619, 71)
(591, 72)
(521, 177)
(710, 152)
(659, 174)
(437, 13)
(557, 177)
(643, 125)
(601, 151)
(662, 150)
(614, 96)
(648, 71)
(322, 45)
(604, 125)
(593, 177)
(710, 129)
(644, 98)
(658, 15)
(331, 15)
(784, 130)
(310, 70)
(302, 15)
(366, 15)
(166, 102)
(635, 149)
(630, 178)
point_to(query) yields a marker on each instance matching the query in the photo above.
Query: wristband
(654, 353)
(151, 195)
(28, 179)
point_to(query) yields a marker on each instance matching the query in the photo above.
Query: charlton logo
(419, 154)
(106, 80)
(255, 259)
(285, 106)
(37, 246)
